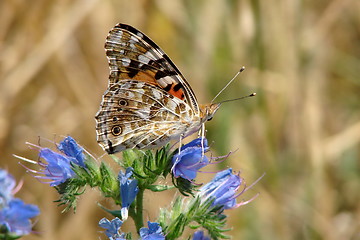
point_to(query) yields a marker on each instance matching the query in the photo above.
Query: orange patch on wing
(146, 76)
(179, 93)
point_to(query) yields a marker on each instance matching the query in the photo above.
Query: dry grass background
(302, 129)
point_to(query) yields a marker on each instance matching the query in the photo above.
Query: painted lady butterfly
(148, 102)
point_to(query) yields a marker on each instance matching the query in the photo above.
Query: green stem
(138, 218)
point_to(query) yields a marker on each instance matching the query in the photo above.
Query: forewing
(133, 55)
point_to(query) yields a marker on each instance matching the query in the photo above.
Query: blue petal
(222, 188)
(7, 184)
(128, 189)
(189, 162)
(70, 148)
(154, 227)
(199, 235)
(199, 142)
(190, 159)
(154, 232)
(216, 181)
(58, 168)
(112, 227)
(16, 216)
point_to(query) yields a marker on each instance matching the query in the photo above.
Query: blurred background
(302, 129)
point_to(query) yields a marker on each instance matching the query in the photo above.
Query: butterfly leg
(203, 138)
(181, 137)
(177, 159)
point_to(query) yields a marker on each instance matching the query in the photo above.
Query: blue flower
(154, 232)
(222, 189)
(16, 216)
(190, 159)
(7, 185)
(58, 167)
(128, 190)
(14, 213)
(112, 228)
(199, 235)
(71, 149)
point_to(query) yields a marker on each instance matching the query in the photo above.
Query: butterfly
(148, 101)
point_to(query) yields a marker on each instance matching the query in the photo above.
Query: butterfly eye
(116, 130)
(210, 118)
(123, 102)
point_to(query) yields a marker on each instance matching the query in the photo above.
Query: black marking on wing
(177, 87)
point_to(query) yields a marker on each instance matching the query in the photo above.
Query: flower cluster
(70, 168)
(15, 215)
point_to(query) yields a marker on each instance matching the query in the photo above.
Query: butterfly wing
(148, 101)
(136, 114)
(133, 55)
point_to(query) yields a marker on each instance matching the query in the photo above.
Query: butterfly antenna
(235, 99)
(241, 70)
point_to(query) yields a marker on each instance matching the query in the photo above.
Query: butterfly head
(208, 111)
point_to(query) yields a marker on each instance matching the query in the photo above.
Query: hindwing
(136, 114)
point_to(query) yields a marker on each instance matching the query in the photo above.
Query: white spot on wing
(168, 80)
(143, 59)
(162, 83)
(133, 39)
(156, 94)
(144, 113)
(149, 55)
(126, 62)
